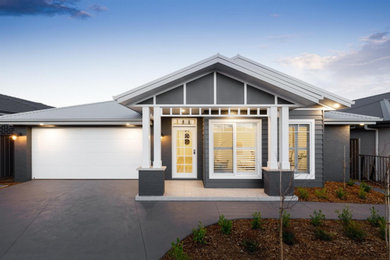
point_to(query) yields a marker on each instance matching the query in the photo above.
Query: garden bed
(307, 246)
(329, 194)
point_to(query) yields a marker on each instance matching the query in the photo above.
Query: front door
(184, 152)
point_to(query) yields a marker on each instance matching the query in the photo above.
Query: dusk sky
(71, 52)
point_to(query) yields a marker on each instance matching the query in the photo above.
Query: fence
(371, 168)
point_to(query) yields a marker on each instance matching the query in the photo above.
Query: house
(11, 105)
(372, 140)
(230, 122)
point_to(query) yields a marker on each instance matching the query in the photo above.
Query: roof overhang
(280, 83)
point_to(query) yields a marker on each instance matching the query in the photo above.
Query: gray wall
(384, 141)
(366, 140)
(335, 139)
(201, 91)
(229, 91)
(22, 154)
(173, 96)
(319, 133)
(166, 146)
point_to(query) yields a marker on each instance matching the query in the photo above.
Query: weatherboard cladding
(201, 91)
(257, 96)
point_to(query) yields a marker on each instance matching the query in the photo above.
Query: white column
(283, 143)
(272, 163)
(157, 137)
(145, 137)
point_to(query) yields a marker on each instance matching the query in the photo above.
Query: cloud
(355, 73)
(98, 8)
(41, 7)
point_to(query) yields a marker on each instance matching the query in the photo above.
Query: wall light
(182, 110)
(14, 137)
(361, 124)
(41, 124)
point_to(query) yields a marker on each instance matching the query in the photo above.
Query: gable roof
(377, 105)
(337, 117)
(10, 105)
(106, 113)
(251, 71)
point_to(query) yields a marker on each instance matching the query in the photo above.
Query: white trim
(145, 137)
(311, 174)
(276, 99)
(245, 94)
(154, 100)
(348, 123)
(185, 93)
(215, 87)
(235, 175)
(272, 163)
(54, 123)
(193, 129)
(283, 140)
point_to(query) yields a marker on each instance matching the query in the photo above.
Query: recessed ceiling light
(336, 105)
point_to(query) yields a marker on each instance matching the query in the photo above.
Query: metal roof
(104, 113)
(10, 105)
(337, 117)
(378, 105)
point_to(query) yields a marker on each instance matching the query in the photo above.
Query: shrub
(177, 251)
(250, 245)
(321, 193)
(303, 194)
(317, 218)
(199, 234)
(345, 216)
(350, 182)
(340, 193)
(225, 224)
(257, 221)
(354, 231)
(375, 219)
(289, 237)
(323, 235)
(286, 219)
(362, 194)
(365, 187)
(382, 229)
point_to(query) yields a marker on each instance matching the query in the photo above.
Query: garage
(86, 152)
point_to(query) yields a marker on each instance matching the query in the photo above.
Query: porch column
(157, 137)
(272, 163)
(283, 140)
(145, 137)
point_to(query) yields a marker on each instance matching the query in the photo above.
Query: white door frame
(194, 174)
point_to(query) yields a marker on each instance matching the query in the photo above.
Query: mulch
(221, 246)
(373, 197)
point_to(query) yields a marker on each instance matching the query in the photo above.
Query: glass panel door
(184, 152)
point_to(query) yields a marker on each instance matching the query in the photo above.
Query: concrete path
(99, 219)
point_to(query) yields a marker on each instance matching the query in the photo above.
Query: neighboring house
(230, 122)
(11, 105)
(372, 140)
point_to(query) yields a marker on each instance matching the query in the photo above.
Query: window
(301, 148)
(234, 149)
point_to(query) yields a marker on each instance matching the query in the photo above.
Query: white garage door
(86, 153)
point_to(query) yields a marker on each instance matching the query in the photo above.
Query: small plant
(199, 234)
(382, 229)
(362, 194)
(375, 219)
(286, 219)
(354, 231)
(321, 193)
(317, 218)
(365, 187)
(323, 235)
(345, 216)
(257, 221)
(251, 245)
(350, 182)
(225, 224)
(340, 193)
(289, 237)
(303, 194)
(177, 251)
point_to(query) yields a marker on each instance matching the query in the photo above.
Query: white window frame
(235, 175)
(311, 174)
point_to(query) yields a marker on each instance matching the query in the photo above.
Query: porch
(194, 190)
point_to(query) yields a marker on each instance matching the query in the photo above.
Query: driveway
(99, 219)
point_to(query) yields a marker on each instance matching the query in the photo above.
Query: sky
(69, 52)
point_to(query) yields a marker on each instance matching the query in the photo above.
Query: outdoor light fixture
(361, 124)
(336, 105)
(182, 110)
(14, 137)
(41, 124)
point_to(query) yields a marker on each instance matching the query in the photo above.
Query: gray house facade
(230, 122)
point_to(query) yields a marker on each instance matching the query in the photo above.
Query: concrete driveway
(99, 219)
